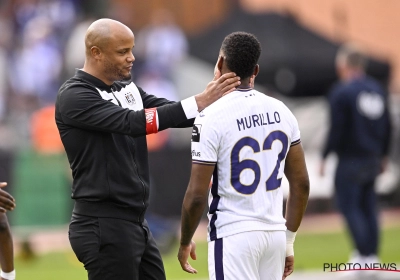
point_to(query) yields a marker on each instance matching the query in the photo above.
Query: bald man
(103, 119)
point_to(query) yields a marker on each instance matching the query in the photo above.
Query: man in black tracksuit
(359, 134)
(103, 125)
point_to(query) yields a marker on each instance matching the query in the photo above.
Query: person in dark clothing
(103, 119)
(359, 135)
(7, 203)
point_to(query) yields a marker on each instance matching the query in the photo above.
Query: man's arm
(387, 139)
(6, 248)
(299, 188)
(7, 202)
(83, 107)
(194, 203)
(219, 86)
(338, 114)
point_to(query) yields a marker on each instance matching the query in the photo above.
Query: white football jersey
(247, 134)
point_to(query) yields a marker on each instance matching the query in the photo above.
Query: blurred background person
(360, 136)
(40, 30)
(5, 27)
(74, 55)
(38, 64)
(162, 44)
(34, 32)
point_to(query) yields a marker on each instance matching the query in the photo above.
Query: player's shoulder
(217, 112)
(218, 107)
(375, 85)
(207, 116)
(74, 87)
(268, 98)
(282, 108)
(343, 91)
(272, 101)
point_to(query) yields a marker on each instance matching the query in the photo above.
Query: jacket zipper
(144, 191)
(112, 91)
(137, 169)
(141, 181)
(144, 188)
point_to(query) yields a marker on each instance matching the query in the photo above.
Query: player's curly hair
(242, 51)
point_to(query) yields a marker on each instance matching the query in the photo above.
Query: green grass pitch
(311, 249)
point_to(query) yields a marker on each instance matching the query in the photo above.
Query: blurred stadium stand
(296, 67)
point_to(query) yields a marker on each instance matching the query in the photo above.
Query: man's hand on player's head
(7, 202)
(289, 266)
(215, 89)
(183, 256)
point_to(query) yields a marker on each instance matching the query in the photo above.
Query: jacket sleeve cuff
(190, 108)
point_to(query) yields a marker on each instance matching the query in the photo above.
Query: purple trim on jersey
(196, 161)
(295, 142)
(244, 89)
(214, 204)
(218, 259)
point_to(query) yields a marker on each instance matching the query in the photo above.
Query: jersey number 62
(238, 166)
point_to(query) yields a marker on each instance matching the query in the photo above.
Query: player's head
(239, 53)
(350, 61)
(109, 45)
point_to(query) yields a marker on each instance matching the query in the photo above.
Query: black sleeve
(83, 107)
(164, 111)
(151, 101)
(338, 112)
(187, 123)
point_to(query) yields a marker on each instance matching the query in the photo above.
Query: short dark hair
(242, 51)
(352, 56)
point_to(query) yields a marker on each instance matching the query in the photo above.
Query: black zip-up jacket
(103, 130)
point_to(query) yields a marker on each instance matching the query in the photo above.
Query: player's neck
(245, 83)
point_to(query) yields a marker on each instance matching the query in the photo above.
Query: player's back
(247, 134)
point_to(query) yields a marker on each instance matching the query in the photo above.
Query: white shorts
(252, 255)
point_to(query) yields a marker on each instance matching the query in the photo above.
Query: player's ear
(220, 62)
(218, 67)
(256, 70)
